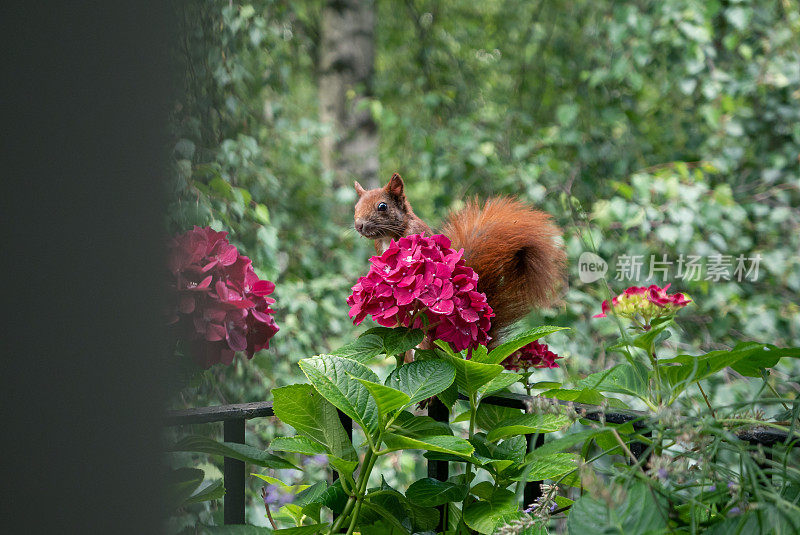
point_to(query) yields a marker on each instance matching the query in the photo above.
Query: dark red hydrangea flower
(221, 306)
(533, 355)
(422, 276)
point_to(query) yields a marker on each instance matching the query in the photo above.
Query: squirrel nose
(359, 225)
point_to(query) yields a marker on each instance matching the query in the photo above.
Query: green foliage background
(651, 127)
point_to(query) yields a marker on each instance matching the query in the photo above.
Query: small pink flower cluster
(533, 355)
(221, 306)
(649, 302)
(422, 276)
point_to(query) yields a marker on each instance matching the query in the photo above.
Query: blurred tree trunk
(346, 68)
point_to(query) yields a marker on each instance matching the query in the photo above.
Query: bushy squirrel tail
(516, 252)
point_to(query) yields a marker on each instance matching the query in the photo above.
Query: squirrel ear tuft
(361, 191)
(395, 185)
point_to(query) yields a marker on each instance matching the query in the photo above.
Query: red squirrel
(513, 248)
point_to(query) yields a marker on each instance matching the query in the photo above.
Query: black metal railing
(233, 418)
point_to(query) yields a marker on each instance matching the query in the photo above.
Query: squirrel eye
(382, 206)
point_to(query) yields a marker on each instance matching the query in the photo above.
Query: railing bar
(347, 422)
(439, 470)
(219, 413)
(533, 489)
(233, 473)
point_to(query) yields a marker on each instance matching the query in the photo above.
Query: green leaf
(548, 467)
(397, 340)
(302, 530)
(440, 443)
(499, 354)
(363, 349)
(334, 497)
(313, 416)
(631, 379)
(407, 424)
(504, 380)
(336, 379)
(483, 516)
(642, 511)
(181, 485)
(561, 444)
(422, 379)
(643, 341)
(297, 445)
(449, 396)
(345, 467)
(214, 491)
(242, 452)
(585, 395)
(488, 416)
(386, 515)
(749, 357)
(526, 424)
(387, 398)
(470, 376)
(766, 357)
(432, 492)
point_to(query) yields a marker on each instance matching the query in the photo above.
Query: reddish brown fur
(514, 250)
(512, 247)
(397, 221)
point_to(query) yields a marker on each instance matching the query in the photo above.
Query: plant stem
(785, 406)
(363, 481)
(656, 372)
(473, 409)
(705, 397)
(339, 521)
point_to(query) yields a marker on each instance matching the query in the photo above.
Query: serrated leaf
(499, 354)
(440, 443)
(483, 515)
(526, 424)
(315, 417)
(630, 379)
(297, 444)
(748, 358)
(422, 379)
(432, 492)
(397, 340)
(363, 349)
(242, 452)
(386, 515)
(584, 395)
(449, 396)
(560, 444)
(311, 494)
(642, 511)
(214, 491)
(336, 379)
(182, 483)
(488, 416)
(470, 376)
(504, 380)
(387, 398)
(301, 530)
(345, 467)
(547, 467)
(413, 426)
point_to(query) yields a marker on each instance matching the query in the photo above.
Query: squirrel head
(382, 212)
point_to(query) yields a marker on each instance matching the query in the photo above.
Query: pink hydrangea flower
(221, 306)
(533, 355)
(419, 279)
(646, 302)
